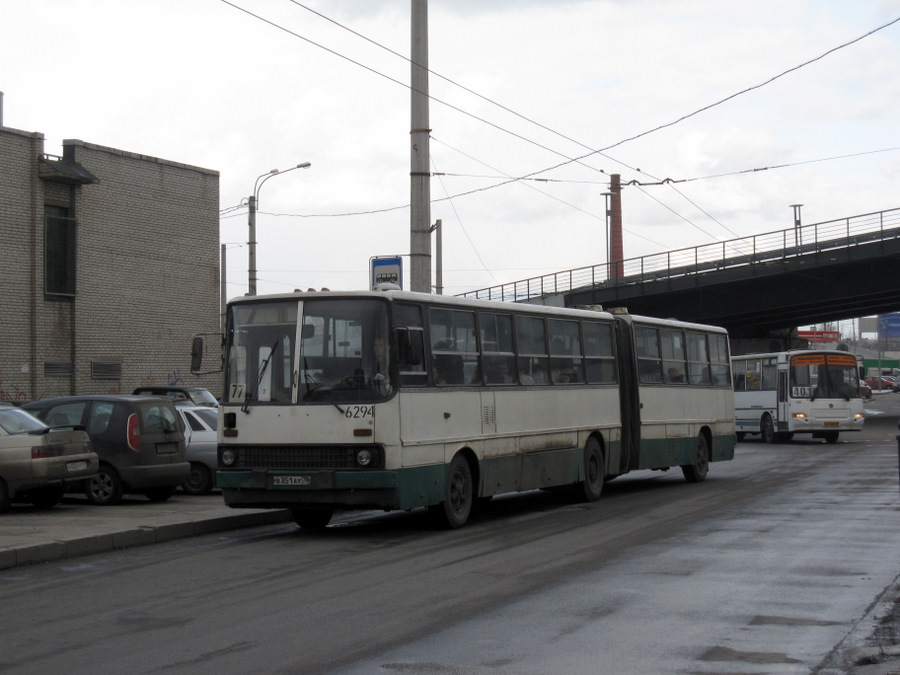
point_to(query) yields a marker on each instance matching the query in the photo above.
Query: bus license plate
(832, 424)
(292, 481)
(76, 466)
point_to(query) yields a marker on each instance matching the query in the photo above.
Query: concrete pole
(439, 254)
(251, 290)
(420, 175)
(222, 292)
(615, 188)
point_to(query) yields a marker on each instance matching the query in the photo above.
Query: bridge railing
(767, 248)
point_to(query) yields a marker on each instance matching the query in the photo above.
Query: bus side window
(672, 344)
(649, 364)
(598, 352)
(531, 347)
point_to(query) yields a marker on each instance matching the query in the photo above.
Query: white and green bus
(398, 400)
(779, 394)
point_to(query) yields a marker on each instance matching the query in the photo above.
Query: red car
(880, 382)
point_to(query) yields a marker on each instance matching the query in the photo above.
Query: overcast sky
(518, 87)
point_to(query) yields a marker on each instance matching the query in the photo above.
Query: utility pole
(419, 173)
(439, 258)
(615, 263)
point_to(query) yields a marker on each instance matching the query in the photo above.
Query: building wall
(147, 275)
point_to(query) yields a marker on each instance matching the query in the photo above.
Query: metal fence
(753, 250)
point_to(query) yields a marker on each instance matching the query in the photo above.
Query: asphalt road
(773, 565)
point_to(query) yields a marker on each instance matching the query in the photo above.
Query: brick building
(110, 265)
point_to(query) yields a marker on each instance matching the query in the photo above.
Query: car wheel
(159, 494)
(104, 489)
(200, 481)
(5, 501)
(47, 498)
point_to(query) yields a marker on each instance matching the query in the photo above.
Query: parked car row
(107, 446)
(883, 383)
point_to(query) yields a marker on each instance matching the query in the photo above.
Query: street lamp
(252, 201)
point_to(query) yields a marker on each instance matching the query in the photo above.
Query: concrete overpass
(757, 287)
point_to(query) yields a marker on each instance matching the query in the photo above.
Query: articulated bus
(396, 400)
(779, 394)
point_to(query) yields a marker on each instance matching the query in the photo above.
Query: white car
(200, 436)
(39, 463)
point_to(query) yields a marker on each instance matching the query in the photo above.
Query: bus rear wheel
(312, 517)
(454, 511)
(594, 471)
(696, 472)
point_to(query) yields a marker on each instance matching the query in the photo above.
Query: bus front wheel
(312, 517)
(594, 473)
(454, 511)
(767, 429)
(696, 472)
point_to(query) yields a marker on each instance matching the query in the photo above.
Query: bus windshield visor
(824, 376)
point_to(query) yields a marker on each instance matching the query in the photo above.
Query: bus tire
(696, 472)
(831, 436)
(459, 496)
(767, 429)
(594, 471)
(312, 517)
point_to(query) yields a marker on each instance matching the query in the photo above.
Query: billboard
(889, 325)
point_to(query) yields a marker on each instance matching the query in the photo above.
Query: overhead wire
(568, 160)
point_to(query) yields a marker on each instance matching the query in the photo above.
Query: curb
(139, 536)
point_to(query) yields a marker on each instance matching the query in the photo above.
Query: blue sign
(888, 325)
(387, 271)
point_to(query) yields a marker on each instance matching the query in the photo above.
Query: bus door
(783, 413)
(629, 395)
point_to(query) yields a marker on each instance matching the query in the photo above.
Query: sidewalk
(75, 528)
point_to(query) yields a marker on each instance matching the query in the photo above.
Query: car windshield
(16, 421)
(211, 417)
(203, 397)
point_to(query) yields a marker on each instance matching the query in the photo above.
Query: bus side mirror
(196, 355)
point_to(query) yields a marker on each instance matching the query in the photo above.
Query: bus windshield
(824, 376)
(337, 351)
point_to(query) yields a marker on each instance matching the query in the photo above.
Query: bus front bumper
(272, 488)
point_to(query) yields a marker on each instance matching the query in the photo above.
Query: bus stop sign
(387, 271)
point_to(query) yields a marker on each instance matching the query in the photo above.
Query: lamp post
(252, 202)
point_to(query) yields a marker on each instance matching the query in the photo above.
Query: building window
(60, 238)
(106, 370)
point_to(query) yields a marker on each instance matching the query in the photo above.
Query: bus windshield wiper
(251, 393)
(314, 389)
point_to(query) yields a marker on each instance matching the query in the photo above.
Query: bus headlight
(799, 416)
(229, 457)
(364, 457)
